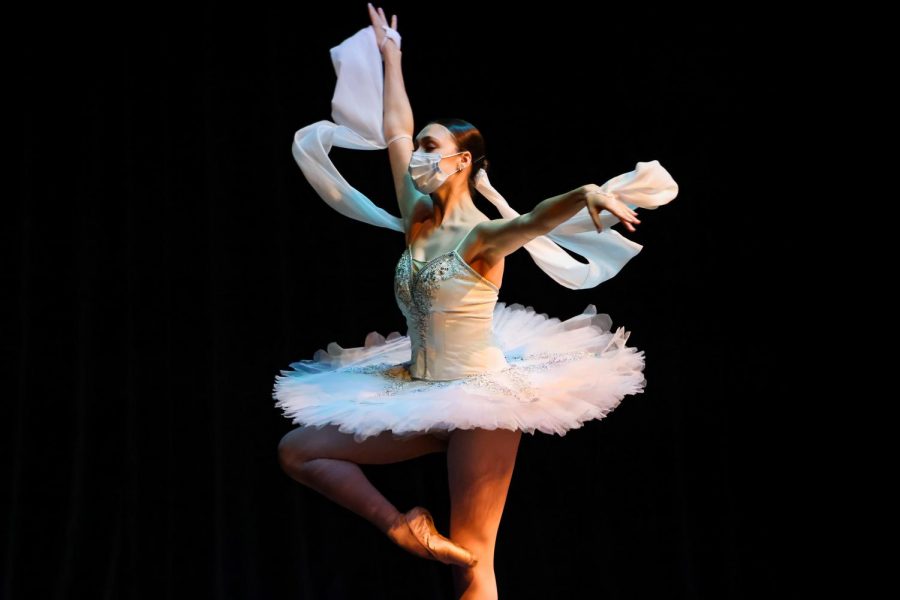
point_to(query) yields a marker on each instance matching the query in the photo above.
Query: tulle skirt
(561, 374)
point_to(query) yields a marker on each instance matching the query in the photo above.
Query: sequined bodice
(449, 309)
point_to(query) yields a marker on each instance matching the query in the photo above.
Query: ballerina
(473, 373)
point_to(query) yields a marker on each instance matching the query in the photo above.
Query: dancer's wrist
(390, 51)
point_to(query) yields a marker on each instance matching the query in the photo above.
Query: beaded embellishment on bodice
(448, 307)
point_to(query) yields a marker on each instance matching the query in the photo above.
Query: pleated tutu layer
(561, 374)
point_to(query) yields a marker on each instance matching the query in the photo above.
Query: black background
(165, 258)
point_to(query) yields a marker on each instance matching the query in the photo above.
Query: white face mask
(425, 170)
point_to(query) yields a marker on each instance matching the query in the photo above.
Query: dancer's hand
(597, 200)
(379, 19)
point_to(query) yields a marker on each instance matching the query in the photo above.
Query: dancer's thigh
(308, 443)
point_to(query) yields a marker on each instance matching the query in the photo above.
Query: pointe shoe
(421, 523)
(401, 534)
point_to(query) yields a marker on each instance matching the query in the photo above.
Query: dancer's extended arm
(398, 121)
(501, 237)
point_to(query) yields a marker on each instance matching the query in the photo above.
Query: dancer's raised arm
(398, 119)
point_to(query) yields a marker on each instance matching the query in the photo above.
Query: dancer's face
(437, 138)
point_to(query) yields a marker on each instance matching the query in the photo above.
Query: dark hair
(467, 137)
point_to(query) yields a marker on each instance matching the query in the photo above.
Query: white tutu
(560, 374)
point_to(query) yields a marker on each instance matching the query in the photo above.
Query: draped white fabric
(357, 110)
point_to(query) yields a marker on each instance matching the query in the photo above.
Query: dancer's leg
(480, 464)
(327, 460)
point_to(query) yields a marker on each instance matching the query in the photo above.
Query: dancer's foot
(441, 548)
(400, 533)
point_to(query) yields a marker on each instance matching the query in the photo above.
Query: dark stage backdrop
(165, 257)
